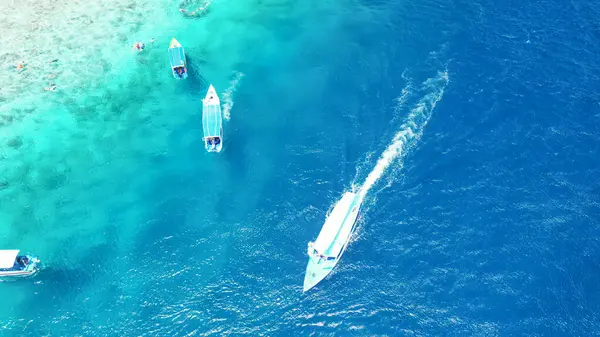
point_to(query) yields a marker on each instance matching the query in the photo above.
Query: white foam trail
(227, 95)
(400, 101)
(405, 91)
(411, 130)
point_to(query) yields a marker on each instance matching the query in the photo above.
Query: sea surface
(472, 128)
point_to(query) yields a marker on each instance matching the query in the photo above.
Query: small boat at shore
(177, 60)
(212, 121)
(325, 252)
(13, 264)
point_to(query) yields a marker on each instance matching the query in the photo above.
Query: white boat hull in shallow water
(177, 60)
(325, 252)
(14, 265)
(212, 121)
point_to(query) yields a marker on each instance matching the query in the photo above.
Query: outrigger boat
(325, 252)
(177, 59)
(13, 264)
(212, 121)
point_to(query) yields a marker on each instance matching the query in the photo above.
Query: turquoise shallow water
(473, 133)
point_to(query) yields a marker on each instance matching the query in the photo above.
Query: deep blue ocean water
(473, 127)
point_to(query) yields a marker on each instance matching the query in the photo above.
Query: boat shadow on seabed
(195, 81)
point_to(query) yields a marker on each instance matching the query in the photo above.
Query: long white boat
(325, 252)
(212, 121)
(13, 264)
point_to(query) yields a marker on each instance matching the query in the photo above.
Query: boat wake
(227, 95)
(411, 130)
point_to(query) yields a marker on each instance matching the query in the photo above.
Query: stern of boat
(32, 267)
(213, 147)
(208, 147)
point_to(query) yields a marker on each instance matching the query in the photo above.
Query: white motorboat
(325, 252)
(13, 264)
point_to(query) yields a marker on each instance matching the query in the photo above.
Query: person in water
(139, 46)
(50, 87)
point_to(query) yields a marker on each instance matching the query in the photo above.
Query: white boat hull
(15, 273)
(214, 148)
(211, 101)
(321, 264)
(22, 271)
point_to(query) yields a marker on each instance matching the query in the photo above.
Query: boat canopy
(176, 57)
(334, 223)
(211, 119)
(8, 257)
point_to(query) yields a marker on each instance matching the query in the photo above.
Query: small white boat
(13, 264)
(212, 121)
(177, 60)
(325, 252)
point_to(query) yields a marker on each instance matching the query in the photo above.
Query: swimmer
(152, 41)
(20, 65)
(139, 46)
(51, 87)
